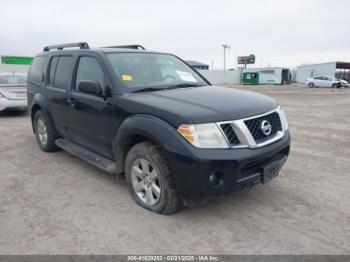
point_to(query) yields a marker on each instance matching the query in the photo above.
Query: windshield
(13, 80)
(147, 71)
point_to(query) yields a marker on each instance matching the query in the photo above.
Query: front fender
(152, 128)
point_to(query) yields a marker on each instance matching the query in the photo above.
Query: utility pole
(225, 47)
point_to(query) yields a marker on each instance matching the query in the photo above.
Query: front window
(13, 80)
(147, 71)
(89, 69)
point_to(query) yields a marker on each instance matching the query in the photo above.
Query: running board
(85, 154)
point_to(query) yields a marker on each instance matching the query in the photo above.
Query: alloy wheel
(42, 131)
(145, 181)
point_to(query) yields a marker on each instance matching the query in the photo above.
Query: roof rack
(81, 45)
(127, 46)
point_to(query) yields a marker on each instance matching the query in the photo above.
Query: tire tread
(173, 203)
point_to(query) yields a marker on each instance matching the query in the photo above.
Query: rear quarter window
(36, 72)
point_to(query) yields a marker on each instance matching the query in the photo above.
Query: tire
(154, 191)
(44, 132)
(311, 85)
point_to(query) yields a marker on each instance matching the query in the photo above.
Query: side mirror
(90, 87)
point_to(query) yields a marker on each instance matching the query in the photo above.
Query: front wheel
(336, 85)
(149, 179)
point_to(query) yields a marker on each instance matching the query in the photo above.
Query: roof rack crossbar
(81, 45)
(127, 46)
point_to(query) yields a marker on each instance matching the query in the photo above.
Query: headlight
(283, 119)
(203, 135)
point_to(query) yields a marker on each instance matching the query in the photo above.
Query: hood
(343, 81)
(199, 104)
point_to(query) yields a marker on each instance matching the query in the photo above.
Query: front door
(90, 116)
(328, 81)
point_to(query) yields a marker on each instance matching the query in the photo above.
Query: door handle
(71, 102)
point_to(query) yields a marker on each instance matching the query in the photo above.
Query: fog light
(216, 180)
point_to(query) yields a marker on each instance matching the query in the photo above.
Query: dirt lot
(57, 204)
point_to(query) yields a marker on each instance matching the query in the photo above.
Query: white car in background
(13, 91)
(326, 81)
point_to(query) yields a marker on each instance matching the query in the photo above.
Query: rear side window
(63, 71)
(36, 72)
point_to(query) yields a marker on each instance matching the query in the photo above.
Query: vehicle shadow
(13, 113)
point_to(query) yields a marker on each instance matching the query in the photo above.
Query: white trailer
(271, 75)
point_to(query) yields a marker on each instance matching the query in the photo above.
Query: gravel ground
(57, 204)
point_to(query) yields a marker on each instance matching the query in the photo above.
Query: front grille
(230, 134)
(254, 126)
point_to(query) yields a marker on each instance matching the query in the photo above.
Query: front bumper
(12, 104)
(235, 168)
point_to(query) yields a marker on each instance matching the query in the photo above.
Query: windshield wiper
(183, 85)
(147, 89)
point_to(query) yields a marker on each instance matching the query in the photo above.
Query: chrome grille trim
(245, 137)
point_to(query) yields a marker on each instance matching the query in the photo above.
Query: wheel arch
(40, 103)
(137, 129)
(34, 109)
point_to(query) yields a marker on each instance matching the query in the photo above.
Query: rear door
(58, 81)
(318, 80)
(90, 116)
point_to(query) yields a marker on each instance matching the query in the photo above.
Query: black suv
(151, 118)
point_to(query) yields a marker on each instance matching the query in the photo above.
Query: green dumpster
(250, 78)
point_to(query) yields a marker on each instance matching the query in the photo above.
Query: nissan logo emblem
(266, 127)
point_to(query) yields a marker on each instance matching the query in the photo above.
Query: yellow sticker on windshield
(127, 77)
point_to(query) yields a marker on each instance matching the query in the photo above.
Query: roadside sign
(16, 60)
(243, 60)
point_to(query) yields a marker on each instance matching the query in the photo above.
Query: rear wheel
(149, 179)
(311, 85)
(44, 132)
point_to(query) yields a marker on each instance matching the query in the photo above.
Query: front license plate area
(270, 171)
